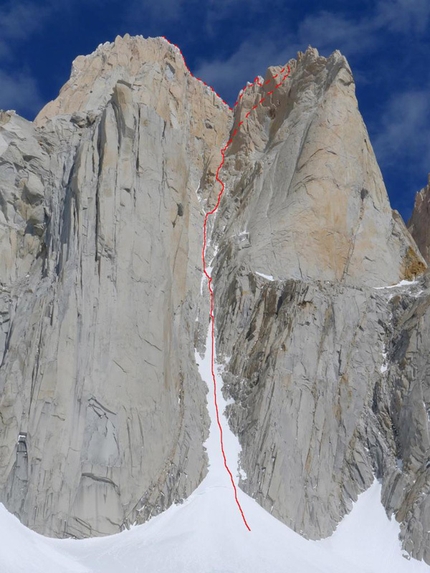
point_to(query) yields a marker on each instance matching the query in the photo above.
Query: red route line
(211, 293)
(209, 278)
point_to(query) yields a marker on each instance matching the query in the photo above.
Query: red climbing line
(209, 278)
(207, 215)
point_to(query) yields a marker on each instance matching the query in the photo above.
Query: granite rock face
(401, 408)
(305, 185)
(418, 224)
(305, 239)
(102, 206)
(324, 354)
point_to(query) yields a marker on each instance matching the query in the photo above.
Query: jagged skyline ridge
(133, 146)
(228, 43)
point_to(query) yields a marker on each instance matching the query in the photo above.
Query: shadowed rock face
(102, 410)
(305, 236)
(401, 407)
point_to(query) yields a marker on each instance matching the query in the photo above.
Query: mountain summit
(322, 297)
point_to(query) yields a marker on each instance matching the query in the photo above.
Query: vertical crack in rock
(98, 357)
(302, 327)
(323, 344)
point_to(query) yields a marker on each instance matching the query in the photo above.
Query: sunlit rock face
(305, 184)
(305, 236)
(102, 410)
(419, 222)
(102, 208)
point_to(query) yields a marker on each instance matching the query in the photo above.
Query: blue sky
(228, 42)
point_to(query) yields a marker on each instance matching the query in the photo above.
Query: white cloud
(328, 31)
(19, 91)
(324, 30)
(20, 19)
(5, 51)
(403, 130)
(404, 16)
(152, 11)
(219, 9)
(213, 13)
(251, 59)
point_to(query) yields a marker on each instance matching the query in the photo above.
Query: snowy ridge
(217, 475)
(402, 283)
(268, 277)
(206, 534)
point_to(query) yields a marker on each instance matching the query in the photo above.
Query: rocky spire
(102, 409)
(418, 224)
(103, 202)
(306, 185)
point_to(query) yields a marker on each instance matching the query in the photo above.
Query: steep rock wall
(102, 410)
(305, 239)
(418, 224)
(102, 291)
(305, 186)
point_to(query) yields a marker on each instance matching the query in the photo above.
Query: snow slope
(206, 534)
